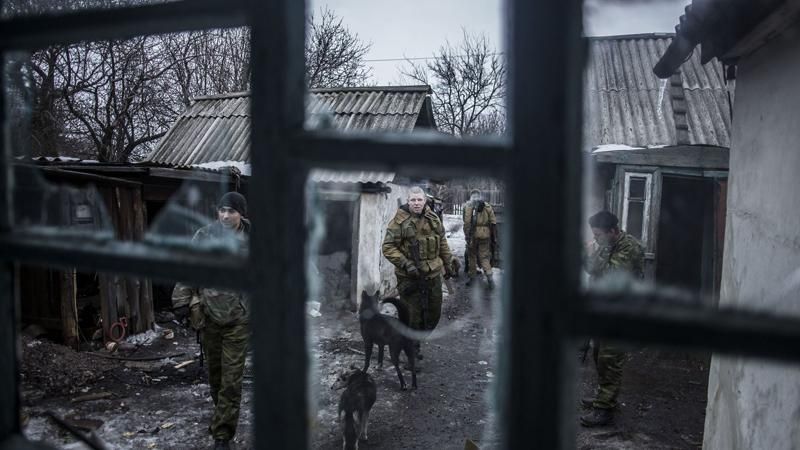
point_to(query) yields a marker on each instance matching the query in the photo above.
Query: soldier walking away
(415, 244)
(612, 250)
(480, 231)
(222, 319)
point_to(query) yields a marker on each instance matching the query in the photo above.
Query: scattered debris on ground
(151, 391)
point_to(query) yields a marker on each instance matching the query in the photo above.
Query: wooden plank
(213, 269)
(55, 174)
(108, 307)
(700, 157)
(69, 309)
(145, 316)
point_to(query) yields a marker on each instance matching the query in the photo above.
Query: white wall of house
(752, 403)
(375, 212)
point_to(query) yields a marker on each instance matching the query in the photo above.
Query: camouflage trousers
(609, 362)
(480, 252)
(225, 350)
(411, 295)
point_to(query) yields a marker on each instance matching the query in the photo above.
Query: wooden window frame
(648, 198)
(543, 311)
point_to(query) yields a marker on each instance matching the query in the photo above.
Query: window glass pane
(14, 8)
(637, 188)
(660, 396)
(403, 75)
(635, 219)
(112, 355)
(134, 139)
(721, 234)
(362, 229)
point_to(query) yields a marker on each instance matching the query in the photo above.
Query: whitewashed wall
(375, 212)
(755, 404)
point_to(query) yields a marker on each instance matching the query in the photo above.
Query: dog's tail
(402, 309)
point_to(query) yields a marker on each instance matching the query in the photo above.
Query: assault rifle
(473, 221)
(422, 283)
(495, 258)
(200, 342)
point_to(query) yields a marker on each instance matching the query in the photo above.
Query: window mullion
(9, 395)
(130, 258)
(663, 319)
(6, 168)
(119, 23)
(433, 151)
(536, 384)
(277, 247)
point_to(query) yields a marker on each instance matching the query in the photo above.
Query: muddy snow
(157, 397)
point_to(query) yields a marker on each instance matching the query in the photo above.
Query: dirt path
(449, 405)
(661, 405)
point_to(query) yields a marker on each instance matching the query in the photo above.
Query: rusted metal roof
(625, 103)
(217, 128)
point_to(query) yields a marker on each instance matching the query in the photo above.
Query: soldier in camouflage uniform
(222, 318)
(611, 251)
(480, 229)
(415, 224)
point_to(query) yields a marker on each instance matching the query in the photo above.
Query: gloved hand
(412, 271)
(449, 272)
(196, 317)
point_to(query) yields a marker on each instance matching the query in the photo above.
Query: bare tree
(113, 100)
(208, 62)
(111, 91)
(334, 54)
(468, 82)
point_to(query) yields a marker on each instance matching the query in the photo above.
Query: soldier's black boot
(470, 279)
(598, 418)
(490, 282)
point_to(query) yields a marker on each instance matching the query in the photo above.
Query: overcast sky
(417, 28)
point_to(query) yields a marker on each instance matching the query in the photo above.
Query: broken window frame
(544, 313)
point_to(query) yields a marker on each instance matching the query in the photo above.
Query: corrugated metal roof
(217, 128)
(622, 96)
(335, 176)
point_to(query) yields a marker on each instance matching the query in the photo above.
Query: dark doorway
(335, 260)
(686, 244)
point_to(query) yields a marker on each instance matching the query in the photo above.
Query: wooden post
(69, 309)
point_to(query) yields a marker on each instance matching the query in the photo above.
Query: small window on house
(636, 205)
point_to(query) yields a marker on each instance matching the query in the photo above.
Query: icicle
(661, 98)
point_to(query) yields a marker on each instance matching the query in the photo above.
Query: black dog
(356, 400)
(377, 328)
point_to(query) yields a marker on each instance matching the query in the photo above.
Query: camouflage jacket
(221, 306)
(404, 229)
(625, 254)
(484, 219)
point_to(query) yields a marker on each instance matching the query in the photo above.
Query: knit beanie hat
(235, 201)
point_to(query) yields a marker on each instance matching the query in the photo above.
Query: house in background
(206, 153)
(214, 132)
(118, 201)
(658, 155)
(752, 403)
